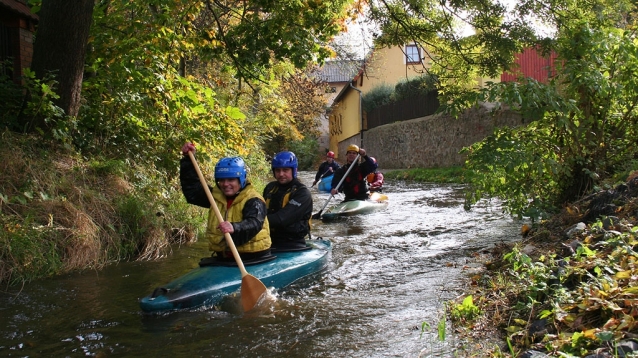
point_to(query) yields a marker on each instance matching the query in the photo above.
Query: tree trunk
(60, 46)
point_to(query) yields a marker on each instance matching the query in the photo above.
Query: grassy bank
(432, 175)
(61, 212)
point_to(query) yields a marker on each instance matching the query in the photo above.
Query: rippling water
(390, 272)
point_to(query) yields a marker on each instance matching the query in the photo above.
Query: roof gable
(18, 7)
(338, 71)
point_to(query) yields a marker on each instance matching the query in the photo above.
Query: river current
(389, 276)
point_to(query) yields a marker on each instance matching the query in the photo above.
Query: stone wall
(432, 141)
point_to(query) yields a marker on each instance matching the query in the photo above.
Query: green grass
(431, 175)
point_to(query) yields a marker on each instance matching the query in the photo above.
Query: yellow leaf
(591, 333)
(621, 275)
(513, 329)
(520, 321)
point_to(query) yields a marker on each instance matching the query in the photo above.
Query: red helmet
(330, 154)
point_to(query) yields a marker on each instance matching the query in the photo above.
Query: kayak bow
(356, 207)
(208, 285)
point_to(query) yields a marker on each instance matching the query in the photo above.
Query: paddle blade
(317, 215)
(251, 291)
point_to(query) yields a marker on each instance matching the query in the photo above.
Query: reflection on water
(390, 272)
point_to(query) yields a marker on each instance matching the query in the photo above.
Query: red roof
(19, 7)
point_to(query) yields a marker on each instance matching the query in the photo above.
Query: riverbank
(569, 288)
(432, 175)
(61, 212)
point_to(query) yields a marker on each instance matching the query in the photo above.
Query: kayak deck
(208, 285)
(356, 207)
(325, 184)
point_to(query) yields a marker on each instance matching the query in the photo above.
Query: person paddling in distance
(354, 185)
(289, 204)
(375, 179)
(243, 209)
(327, 167)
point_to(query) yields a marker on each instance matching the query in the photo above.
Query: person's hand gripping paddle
(251, 287)
(354, 162)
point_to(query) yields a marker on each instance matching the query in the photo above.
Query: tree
(60, 47)
(204, 71)
(575, 127)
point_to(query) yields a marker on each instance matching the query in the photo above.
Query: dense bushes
(377, 97)
(386, 94)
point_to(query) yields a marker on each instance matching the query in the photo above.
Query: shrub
(377, 97)
(417, 86)
(306, 152)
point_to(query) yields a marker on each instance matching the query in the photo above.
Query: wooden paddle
(251, 287)
(318, 215)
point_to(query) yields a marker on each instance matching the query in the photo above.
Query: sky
(359, 35)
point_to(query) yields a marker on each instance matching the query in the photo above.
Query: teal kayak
(208, 285)
(356, 207)
(325, 184)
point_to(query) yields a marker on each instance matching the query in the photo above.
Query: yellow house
(388, 66)
(383, 66)
(336, 75)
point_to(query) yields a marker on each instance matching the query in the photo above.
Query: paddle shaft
(339, 184)
(229, 240)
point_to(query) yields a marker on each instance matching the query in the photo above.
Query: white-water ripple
(390, 272)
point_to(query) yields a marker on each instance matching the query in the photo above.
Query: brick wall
(26, 46)
(19, 26)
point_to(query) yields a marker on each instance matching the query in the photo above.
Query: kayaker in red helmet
(326, 168)
(354, 185)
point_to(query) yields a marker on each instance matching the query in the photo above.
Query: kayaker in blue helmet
(354, 185)
(239, 203)
(326, 168)
(289, 204)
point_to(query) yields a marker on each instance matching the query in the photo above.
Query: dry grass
(53, 199)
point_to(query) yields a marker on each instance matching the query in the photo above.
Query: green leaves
(573, 126)
(576, 125)
(167, 72)
(465, 311)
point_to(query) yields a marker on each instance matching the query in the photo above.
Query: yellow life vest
(216, 240)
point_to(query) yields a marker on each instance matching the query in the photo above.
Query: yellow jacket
(216, 240)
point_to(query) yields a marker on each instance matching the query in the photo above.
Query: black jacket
(323, 169)
(290, 221)
(354, 185)
(254, 212)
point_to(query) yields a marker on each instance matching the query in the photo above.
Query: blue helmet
(231, 167)
(285, 159)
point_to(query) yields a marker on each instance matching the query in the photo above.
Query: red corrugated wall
(531, 64)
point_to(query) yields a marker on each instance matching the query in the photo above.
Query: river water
(389, 276)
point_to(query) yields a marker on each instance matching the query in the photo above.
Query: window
(412, 54)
